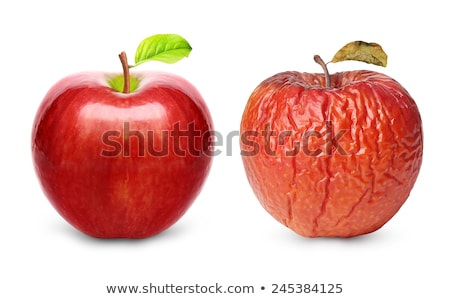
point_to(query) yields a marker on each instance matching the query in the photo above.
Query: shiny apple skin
(128, 193)
(343, 189)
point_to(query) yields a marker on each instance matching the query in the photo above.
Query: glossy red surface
(331, 162)
(116, 185)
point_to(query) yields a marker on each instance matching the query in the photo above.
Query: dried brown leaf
(362, 51)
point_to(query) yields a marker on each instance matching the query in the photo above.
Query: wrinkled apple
(332, 155)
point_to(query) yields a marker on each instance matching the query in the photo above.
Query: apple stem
(319, 60)
(126, 72)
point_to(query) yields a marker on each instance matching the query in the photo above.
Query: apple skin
(111, 186)
(349, 156)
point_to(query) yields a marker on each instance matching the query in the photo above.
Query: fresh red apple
(331, 156)
(122, 162)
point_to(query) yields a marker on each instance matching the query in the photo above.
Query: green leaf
(168, 48)
(116, 83)
(361, 51)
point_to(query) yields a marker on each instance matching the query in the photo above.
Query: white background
(226, 236)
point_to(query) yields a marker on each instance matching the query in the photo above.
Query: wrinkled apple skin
(349, 159)
(109, 186)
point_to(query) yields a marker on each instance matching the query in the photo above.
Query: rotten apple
(332, 155)
(124, 155)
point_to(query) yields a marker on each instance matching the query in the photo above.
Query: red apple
(337, 160)
(122, 165)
